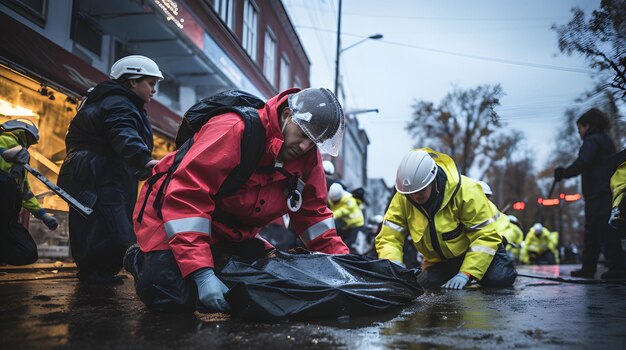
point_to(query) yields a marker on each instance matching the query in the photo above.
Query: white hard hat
(538, 227)
(329, 168)
(135, 65)
(378, 219)
(335, 192)
(416, 171)
(485, 187)
(318, 113)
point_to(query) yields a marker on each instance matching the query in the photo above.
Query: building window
(225, 9)
(87, 35)
(284, 73)
(269, 57)
(34, 10)
(250, 20)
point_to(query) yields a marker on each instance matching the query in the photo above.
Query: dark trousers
(600, 236)
(500, 274)
(159, 283)
(16, 245)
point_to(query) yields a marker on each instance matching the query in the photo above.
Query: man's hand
(17, 154)
(558, 173)
(457, 282)
(211, 290)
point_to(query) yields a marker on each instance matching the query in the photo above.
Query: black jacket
(109, 139)
(112, 121)
(594, 163)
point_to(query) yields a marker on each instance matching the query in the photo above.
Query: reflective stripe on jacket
(464, 224)
(347, 209)
(188, 226)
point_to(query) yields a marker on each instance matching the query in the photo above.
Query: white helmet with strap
(136, 66)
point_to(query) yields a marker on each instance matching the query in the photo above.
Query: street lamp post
(340, 50)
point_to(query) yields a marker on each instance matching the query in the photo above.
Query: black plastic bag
(313, 286)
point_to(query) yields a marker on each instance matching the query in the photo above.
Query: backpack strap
(252, 149)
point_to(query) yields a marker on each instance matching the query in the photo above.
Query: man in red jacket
(174, 251)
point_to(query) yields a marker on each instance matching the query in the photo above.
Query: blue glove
(211, 290)
(457, 282)
(48, 220)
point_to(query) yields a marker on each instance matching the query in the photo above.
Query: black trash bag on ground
(314, 286)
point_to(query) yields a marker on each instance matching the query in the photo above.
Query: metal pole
(338, 51)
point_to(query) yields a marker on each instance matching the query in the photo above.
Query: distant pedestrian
(450, 222)
(109, 144)
(16, 245)
(594, 165)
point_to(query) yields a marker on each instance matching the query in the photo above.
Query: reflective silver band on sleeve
(394, 226)
(482, 249)
(195, 224)
(317, 230)
(483, 224)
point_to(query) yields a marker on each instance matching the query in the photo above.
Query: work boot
(582, 273)
(613, 275)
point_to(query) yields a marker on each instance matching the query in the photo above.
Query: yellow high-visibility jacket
(464, 224)
(618, 184)
(547, 240)
(347, 209)
(10, 139)
(513, 234)
(502, 221)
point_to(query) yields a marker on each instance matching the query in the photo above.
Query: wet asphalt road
(46, 310)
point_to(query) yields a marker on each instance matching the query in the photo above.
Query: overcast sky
(431, 46)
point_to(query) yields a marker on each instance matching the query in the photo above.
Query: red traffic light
(519, 206)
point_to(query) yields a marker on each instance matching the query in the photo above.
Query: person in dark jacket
(594, 165)
(109, 145)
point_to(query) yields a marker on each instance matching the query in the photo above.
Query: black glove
(48, 220)
(558, 173)
(17, 154)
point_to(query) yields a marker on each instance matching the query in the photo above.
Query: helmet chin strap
(282, 130)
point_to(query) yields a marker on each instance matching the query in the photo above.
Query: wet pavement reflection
(535, 313)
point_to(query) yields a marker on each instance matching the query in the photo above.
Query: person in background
(450, 222)
(16, 245)
(348, 216)
(109, 146)
(539, 246)
(514, 236)
(618, 188)
(594, 164)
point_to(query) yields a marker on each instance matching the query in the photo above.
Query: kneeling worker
(175, 266)
(16, 245)
(450, 222)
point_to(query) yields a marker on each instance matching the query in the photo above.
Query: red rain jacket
(187, 228)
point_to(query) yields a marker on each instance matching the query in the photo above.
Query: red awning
(26, 51)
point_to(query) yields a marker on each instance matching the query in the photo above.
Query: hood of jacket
(113, 88)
